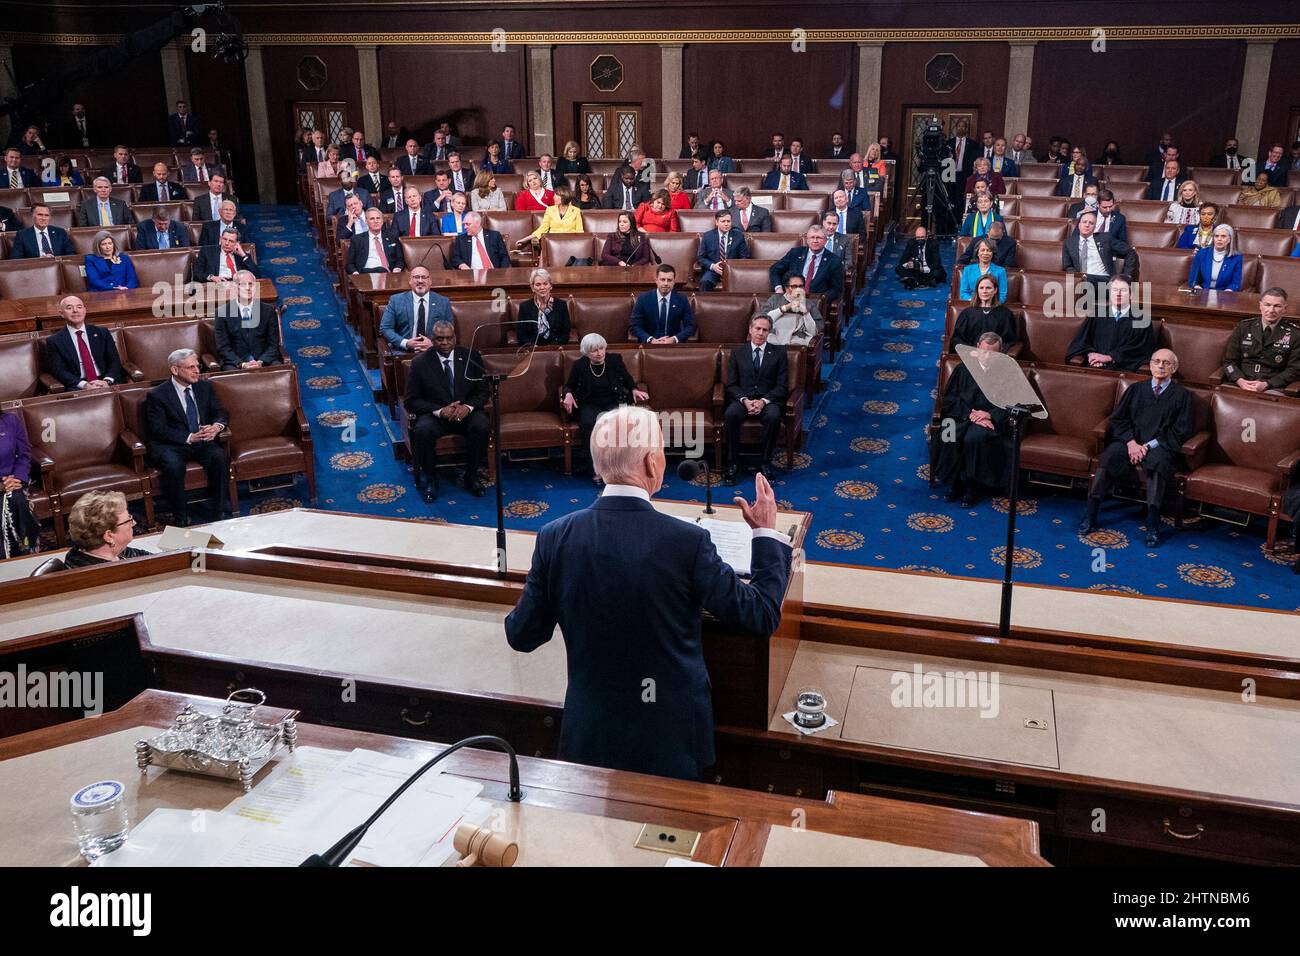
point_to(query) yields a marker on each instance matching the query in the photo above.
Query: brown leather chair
(683, 382)
(1213, 176)
(793, 220)
(1038, 255)
(83, 239)
(530, 404)
(1155, 235)
(1035, 188)
(695, 220)
(747, 275)
(1222, 195)
(176, 212)
(1038, 289)
(1265, 242)
(479, 323)
(1164, 266)
(723, 319)
(506, 182)
(145, 347)
(21, 198)
(1226, 470)
(1043, 207)
(677, 249)
(94, 451)
(602, 222)
(20, 366)
(1127, 191)
(1284, 273)
(753, 180)
(1144, 210)
(133, 398)
(1043, 230)
(1199, 349)
(1039, 171)
(420, 249)
(1113, 174)
(559, 248)
(30, 278)
(163, 265)
(196, 231)
(1066, 443)
(1250, 217)
(60, 215)
(513, 224)
(772, 245)
(807, 201)
(609, 316)
(269, 434)
(791, 429)
(1047, 337)
(1009, 206)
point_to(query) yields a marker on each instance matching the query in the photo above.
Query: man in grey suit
(713, 196)
(103, 210)
(748, 216)
(409, 317)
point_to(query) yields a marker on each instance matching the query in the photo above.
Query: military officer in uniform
(1263, 354)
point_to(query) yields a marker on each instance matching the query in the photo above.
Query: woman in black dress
(101, 530)
(544, 319)
(571, 161)
(627, 246)
(585, 195)
(985, 314)
(598, 383)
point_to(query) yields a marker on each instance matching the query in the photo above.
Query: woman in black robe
(977, 459)
(985, 314)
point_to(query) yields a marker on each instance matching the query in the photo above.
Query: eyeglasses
(128, 520)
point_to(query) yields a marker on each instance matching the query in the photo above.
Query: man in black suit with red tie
(626, 585)
(756, 390)
(446, 393)
(358, 150)
(121, 170)
(81, 355)
(184, 418)
(377, 249)
(827, 269)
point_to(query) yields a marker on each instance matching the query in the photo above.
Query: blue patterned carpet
(863, 474)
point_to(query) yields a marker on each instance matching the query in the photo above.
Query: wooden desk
(598, 812)
(132, 307)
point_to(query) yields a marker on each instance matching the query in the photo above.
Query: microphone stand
(340, 851)
(688, 470)
(494, 391)
(1016, 413)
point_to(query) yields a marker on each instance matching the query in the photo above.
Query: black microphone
(689, 469)
(339, 852)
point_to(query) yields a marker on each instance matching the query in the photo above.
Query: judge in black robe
(1147, 431)
(975, 320)
(1129, 341)
(978, 458)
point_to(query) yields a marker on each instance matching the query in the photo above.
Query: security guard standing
(1263, 354)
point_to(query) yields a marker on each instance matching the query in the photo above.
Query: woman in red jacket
(657, 215)
(533, 198)
(680, 198)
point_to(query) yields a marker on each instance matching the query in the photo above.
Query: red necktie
(230, 264)
(812, 271)
(415, 221)
(87, 362)
(482, 251)
(744, 220)
(379, 251)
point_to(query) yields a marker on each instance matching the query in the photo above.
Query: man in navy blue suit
(40, 238)
(184, 417)
(81, 355)
(784, 179)
(638, 695)
(161, 232)
(15, 175)
(717, 246)
(826, 269)
(663, 317)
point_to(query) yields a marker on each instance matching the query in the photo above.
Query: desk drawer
(1175, 827)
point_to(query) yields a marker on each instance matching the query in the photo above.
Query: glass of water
(99, 818)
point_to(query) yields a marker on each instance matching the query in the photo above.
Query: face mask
(1090, 201)
(1231, 150)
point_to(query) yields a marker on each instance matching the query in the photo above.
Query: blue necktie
(663, 316)
(191, 411)
(164, 240)
(451, 377)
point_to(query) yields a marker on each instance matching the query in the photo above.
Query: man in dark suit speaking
(626, 585)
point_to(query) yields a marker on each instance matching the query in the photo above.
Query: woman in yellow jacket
(564, 216)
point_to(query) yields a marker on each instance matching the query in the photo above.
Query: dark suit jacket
(208, 262)
(133, 174)
(645, 317)
(61, 361)
(710, 247)
(1158, 185)
(210, 234)
(558, 320)
(29, 178)
(512, 150)
(359, 250)
(581, 382)
(146, 235)
(235, 343)
(1107, 247)
(10, 220)
(202, 206)
(88, 213)
(1066, 183)
(912, 251)
(374, 186)
(773, 181)
(15, 450)
(970, 153)
(165, 418)
(189, 134)
(829, 280)
(190, 172)
(1287, 217)
(760, 219)
(172, 192)
(664, 571)
(426, 385)
(1004, 255)
(417, 167)
(695, 179)
(614, 195)
(348, 151)
(855, 223)
(1276, 177)
(336, 203)
(428, 222)
(496, 250)
(807, 165)
(27, 246)
(771, 380)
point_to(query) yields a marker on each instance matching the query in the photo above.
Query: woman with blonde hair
(101, 529)
(571, 161)
(108, 270)
(1186, 209)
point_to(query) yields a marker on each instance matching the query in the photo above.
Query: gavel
(479, 846)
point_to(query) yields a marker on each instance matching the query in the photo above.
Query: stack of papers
(304, 806)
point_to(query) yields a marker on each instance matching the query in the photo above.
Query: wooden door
(329, 117)
(608, 131)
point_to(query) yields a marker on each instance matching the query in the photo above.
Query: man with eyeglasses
(185, 418)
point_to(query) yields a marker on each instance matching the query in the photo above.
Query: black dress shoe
(729, 475)
(474, 487)
(431, 492)
(1153, 539)
(1086, 526)
(953, 493)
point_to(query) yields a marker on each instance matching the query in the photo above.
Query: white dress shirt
(1092, 264)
